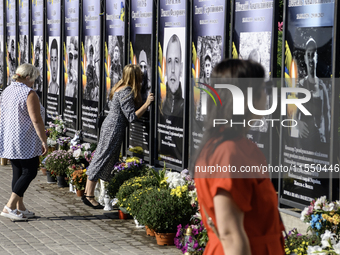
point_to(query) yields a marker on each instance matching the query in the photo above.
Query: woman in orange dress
(241, 202)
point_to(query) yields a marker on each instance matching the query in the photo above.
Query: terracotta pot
(165, 238)
(149, 232)
(80, 193)
(43, 170)
(122, 216)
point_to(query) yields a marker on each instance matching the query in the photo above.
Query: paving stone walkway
(64, 225)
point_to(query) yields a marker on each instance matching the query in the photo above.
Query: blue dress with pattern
(122, 111)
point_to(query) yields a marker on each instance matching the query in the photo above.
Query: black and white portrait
(116, 53)
(209, 52)
(92, 51)
(11, 57)
(23, 39)
(53, 87)
(312, 53)
(142, 51)
(38, 61)
(72, 66)
(173, 104)
(256, 46)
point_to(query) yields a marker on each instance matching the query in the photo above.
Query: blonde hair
(132, 76)
(26, 70)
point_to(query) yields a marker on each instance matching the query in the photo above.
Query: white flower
(336, 248)
(86, 153)
(311, 250)
(336, 205)
(51, 142)
(77, 153)
(328, 235)
(328, 207)
(193, 195)
(86, 146)
(303, 214)
(59, 129)
(184, 173)
(319, 203)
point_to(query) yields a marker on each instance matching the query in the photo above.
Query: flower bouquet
(322, 215)
(55, 130)
(83, 153)
(192, 238)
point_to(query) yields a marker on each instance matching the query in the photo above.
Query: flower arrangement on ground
(196, 242)
(58, 162)
(79, 178)
(136, 199)
(131, 185)
(163, 211)
(130, 169)
(322, 215)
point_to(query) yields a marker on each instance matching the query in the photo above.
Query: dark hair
(240, 73)
(54, 45)
(207, 57)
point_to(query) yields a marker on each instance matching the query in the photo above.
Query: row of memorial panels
(82, 46)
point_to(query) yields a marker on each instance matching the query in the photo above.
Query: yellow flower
(124, 199)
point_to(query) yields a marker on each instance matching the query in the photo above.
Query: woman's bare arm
(33, 107)
(229, 219)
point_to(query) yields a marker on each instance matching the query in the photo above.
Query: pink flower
(280, 26)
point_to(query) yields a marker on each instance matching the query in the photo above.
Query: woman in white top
(22, 136)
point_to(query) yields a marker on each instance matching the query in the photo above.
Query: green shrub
(163, 212)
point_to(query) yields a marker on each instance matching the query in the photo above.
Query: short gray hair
(25, 70)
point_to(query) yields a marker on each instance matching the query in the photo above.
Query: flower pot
(61, 181)
(43, 170)
(165, 238)
(80, 193)
(50, 179)
(122, 216)
(3, 161)
(149, 232)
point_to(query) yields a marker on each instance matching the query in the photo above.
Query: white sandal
(27, 213)
(12, 214)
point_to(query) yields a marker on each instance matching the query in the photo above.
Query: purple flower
(195, 231)
(190, 239)
(185, 248)
(195, 245)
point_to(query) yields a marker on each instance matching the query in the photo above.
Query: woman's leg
(89, 191)
(29, 169)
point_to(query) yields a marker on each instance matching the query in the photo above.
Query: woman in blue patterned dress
(123, 99)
